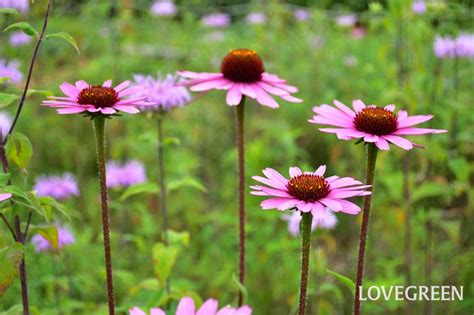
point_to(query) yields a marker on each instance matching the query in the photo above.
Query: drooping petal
(69, 90)
(382, 144)
(234, 96)
(71, 110)
(418, 131)
(127, 109)
(412, 120)
(401, 142)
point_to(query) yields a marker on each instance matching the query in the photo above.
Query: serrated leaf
(347, 282)
(9, 11)
(6, 99)
(65, 36)
(49, 233)
(142, 188)
(10, 259)
(23, 26)
(164, 258)
(19, 150)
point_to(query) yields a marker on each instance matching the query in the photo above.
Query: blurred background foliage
(325, 61)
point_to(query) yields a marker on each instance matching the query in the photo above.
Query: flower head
(10, 70)
(162, 92)
(20, 5)
(242, 73)
(124, 175)
(371, 123)
(326, 220)
(308, 191)
(347, 20)
(163, 8)
(5, 124)
(19, 39)
(418, 7)
(97, 99)
(302, 15)
(460, 47)
(216, 20)
(186, 307)
(465, 45)
(256, 18)
(59, 187)
(65, 237)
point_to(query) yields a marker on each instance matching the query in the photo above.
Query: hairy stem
(239, 124)
(23, 279)
(99, 127)
(371, 159)
(305, 230)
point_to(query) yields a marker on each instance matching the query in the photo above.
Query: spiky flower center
(242, 65)
(376, 121)
(99, 96)
(308, 187)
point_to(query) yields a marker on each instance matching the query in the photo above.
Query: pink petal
(129, 91)
(291, 98)
(286, 87)
(269, 182)
(81, 85)
(418, 131)
(295, 171)
(248, 90)
(127, 109)
(344, 182)
(122, 86)
(274, 175)
(69, 90)
(185, 306)
(107, 83)
(275, 203)
(382, 144)
(157, 311)
(371, 138)
(401, 142)
(272, 78)
(390, 107)
(264, 98)
(208, 308)
(320, 171)
(358, 105)
(71, 110)
(331, 204)
(349, 207)
(344, 108)
(209, 85)
(5, 196)
(271, 89)
(413, 120)
(136, 311)
(305, 206)
(234, 96)
(108, 110)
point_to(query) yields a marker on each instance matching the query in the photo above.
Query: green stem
(371, 159)
(305, 230)
(99, 127)
(239, 124)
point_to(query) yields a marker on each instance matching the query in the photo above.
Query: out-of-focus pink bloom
(219, 20)
(347, 20)
(97, 99)
(59, 187)
(163, 8)
(5, 123)
(302, 15)
(358, 32)
(138, 311)
(372, 124)
(10, 70)
(20, 5)
(256, 18)
(418, 7)
(128, 174)
(162, 92)
(5, 196)
(459, 47)
(326, 220)
(242, 73)
(19, 39)
(65, 237)
(465, 45)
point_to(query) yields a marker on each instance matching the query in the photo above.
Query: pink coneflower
(242, 73)
(371, 124)
(96, 100)
(10, 70)
(302, 15)
(59, 187)
(256, 18)
(5, 196)
(65, 237)
(326, 220)
(216, 20)
(5, 123)
(308, 191)
(19, 39)
(124, 175)
(186, 307)
(163, 8)
(161, 91)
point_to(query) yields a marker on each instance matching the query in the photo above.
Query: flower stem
(23, 280)
(99, 127)
(371, 159)
(239, 124)
(162, 184)
(305, 229)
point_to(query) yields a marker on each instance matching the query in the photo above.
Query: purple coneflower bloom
(65, 237)
(256, 18)
(20, 5)
(302, 15)
(10, 70)
(242, 73)
(186, 307)
(308, 191)
(97, 99)
(325, 220)
(5, 123)
(161, 91)
(124, 175)
(371, 124)
(59, 187)
(19, 39)
(216, 20)
(163, 8)
(347, 20)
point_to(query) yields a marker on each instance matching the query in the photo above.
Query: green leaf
(49, 233)
(164, 258)
(149, 188)
(7, 99)
(178, 238)
(347, 282)
(28, 200)
(10, 259)
(4, 79)
(186, 182)
(19, 150)
(4, 178)
(24, 26)
(240, 286)
(9, 11)
(428, 190)
(65, 36)
(51, 203)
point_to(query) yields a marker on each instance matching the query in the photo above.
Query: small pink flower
(309, 191)
(242, 73)
(371, 123)
(97, 99)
